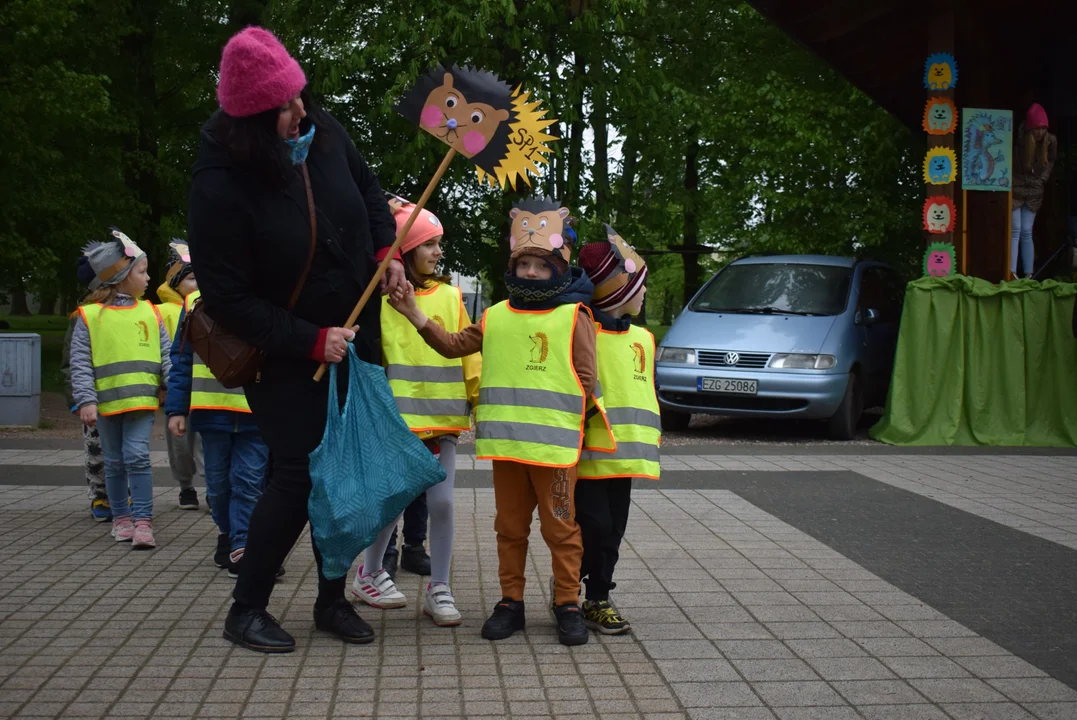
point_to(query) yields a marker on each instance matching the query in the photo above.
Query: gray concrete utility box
(20, 379)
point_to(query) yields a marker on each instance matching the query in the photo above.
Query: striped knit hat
(616, 270)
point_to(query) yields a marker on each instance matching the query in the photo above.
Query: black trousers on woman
(276, 523)
(602, 514)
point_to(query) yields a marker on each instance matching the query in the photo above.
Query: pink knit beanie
(1036, 117)
(426, 227)
(257, 74)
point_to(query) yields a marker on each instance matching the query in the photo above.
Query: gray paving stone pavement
(736, 614)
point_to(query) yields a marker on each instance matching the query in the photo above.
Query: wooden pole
(384, 265)
(1009, 237)
(964, 232)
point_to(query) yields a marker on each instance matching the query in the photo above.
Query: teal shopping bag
(367, 469)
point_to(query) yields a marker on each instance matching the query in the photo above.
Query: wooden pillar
(941, 39)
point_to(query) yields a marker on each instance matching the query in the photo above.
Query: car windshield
(777, 288)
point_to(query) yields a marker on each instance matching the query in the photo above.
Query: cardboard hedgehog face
(940, 166)
(178, 252)
(940, 116)
(939, 260)
(939, 214)
(501, 130)
(466, 109)
(630, 261)
(940, 72)
(541, 224)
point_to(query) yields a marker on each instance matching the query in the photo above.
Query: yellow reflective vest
(206, 392)
(626, 371)
(430, 391)
(531, 402)
(170, 312)
(125, 347)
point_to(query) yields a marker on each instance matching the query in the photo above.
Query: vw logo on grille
(732, 358)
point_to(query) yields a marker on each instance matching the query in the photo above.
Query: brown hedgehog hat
(179, 263)
(615, 268)
(542, 227)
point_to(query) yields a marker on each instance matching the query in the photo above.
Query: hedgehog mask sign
(482, 118)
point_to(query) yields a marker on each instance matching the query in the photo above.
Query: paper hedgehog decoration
(940, 116)
(939, 214)
(939, 260)
(483, 119)
(940, 72)
(542, 223)
(179, 263)
(940, 166)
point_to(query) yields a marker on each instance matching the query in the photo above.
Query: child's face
(187, 285)
(426, 257)
(137, 280)
(635, 304)
(530, 267)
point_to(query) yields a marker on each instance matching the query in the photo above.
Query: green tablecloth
(983, 364)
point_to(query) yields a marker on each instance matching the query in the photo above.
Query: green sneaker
(604, 618)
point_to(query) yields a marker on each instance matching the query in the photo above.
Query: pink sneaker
(123, 529)
(143, 535)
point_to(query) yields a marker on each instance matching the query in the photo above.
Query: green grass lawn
(51, 328)
(659, 331)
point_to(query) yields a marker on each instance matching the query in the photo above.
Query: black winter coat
(249, 244)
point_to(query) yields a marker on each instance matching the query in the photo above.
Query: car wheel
(674, 421)
(842, 425)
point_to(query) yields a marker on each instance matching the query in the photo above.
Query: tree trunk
(48, 302)
(18, 302)
(690, 257)
(575, 142)
(246, 12)
(630, 150)
(599, 123)
(140, 146)
(554, 180)
(511, 65)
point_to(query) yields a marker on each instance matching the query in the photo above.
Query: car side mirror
(871, 316)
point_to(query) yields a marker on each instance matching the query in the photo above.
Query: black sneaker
(342, 620)
(257, 630)
(233, 570)
(220, 557)
(571, 629)
(507, 618)
(389, 562)
(188, 499)
(415, 560)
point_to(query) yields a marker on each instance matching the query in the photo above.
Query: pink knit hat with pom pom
(257, 74)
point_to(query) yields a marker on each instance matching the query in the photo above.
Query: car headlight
(676, 355)
(797, 361)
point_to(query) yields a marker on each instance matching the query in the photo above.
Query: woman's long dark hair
(254, 146)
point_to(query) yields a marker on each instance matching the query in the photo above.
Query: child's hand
(177, 425)
(88, 415)
(402, 299)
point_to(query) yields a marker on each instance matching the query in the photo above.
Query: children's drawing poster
(987, 149)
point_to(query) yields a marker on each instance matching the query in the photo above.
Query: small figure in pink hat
(1034, 154)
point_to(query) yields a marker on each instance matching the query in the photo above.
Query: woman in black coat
(249, 232)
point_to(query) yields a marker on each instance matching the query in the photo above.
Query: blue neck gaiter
(299, 147)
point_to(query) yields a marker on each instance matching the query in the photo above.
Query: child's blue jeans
(235, 477)
(125, 443)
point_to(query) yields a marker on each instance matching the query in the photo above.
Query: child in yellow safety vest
(435, 396)
(625, 355)
(236, 458)
(184, 453)
(119, 358)
(538, 375)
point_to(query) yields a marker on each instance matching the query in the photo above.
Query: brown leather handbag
(231, 359)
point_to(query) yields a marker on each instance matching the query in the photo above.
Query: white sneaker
(378, 590)
(440, 606)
